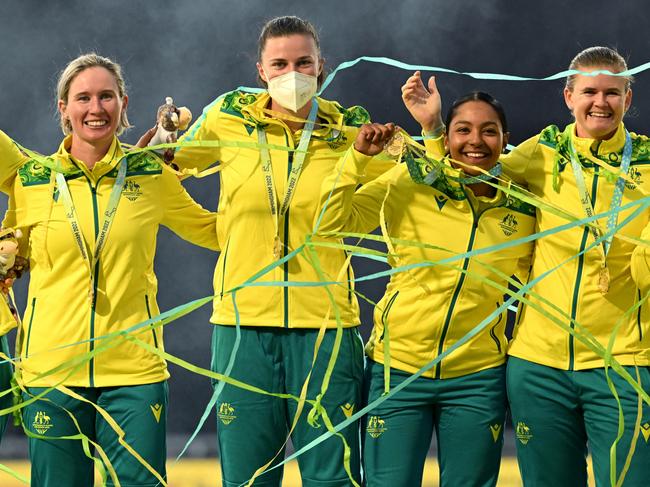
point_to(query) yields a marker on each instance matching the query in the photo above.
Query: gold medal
(603, 280)
(395, 145)
(277, 248)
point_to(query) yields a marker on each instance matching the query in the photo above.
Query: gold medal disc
(603, 280)
(277, 248)
(395, 145)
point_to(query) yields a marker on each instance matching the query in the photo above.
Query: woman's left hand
(372, 137)
(5, 285)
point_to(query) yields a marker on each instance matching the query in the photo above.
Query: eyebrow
(101, 92)
(301, 58)
(611, 88)
(490, 122)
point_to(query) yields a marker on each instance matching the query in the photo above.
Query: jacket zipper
(581, 259)
(153, 330)
(29, 327)
(91, 364)
(457, 289)
(285, 240)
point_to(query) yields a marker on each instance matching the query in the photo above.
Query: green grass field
(206, 473)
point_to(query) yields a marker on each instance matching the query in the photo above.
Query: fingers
(432, 85)
(146, 137)
(414, 86)
(377, 133)
(372, 137)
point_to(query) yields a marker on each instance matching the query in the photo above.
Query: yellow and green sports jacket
(11, 158)
(59, 310)
(641, 268)
(573, 287)
(426, 309)
(246, 228)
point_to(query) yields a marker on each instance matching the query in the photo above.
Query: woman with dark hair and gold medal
(430, 211)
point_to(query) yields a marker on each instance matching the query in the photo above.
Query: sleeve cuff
(435, 133)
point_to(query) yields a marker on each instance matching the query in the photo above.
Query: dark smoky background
(196, 50)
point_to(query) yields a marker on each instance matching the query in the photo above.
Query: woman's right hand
(424, 105)
(372, 137)
(144, 140)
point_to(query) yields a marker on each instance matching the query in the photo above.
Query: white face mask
(292, 90)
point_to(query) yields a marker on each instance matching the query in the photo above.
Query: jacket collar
(106, 164)
(327, 113)
(598, 147)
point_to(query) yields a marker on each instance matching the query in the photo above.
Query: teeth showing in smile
(599, 115)
(96, 123)
(477, 155)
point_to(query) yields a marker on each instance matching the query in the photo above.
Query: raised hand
(424, 105)
(372, 137)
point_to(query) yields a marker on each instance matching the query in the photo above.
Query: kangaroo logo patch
(42, 422)
(131, 190)
(509, 224)
(226, 413)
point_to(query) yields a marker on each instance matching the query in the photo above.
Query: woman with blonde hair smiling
(89, 215)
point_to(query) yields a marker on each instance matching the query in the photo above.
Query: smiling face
(93, 107)
(598, 103)
(296, 52)
(475, 136)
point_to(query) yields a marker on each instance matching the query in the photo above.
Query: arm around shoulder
(348, 208)
(11, 159)
(184, 216)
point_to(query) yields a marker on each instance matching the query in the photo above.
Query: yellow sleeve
(516, 163)
(205, 129)
(186, 217)
(640, 264)
(11, 159)
(7, 319)
(435, 147)
(347, 209)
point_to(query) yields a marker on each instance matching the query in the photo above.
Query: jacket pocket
(638, 315)
(223, 268)
(493, 327)
(386, 312)
(29, 327)
(153, 330)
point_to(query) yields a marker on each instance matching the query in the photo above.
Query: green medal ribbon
(267, 169)
(614, 206)
(109, 215)
(494, 172)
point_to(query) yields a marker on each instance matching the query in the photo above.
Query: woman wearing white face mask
(267, 203)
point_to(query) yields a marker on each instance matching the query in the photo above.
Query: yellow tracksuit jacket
(425, 310)
(11, 158)
(59, 311)
(246, 228)
(573, 287)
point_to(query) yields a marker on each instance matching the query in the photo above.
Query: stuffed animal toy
(11, 264)
(170, 119)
